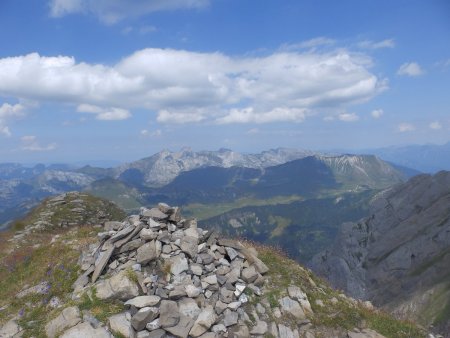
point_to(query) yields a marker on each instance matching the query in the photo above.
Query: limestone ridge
(399, 255)
(177, 279)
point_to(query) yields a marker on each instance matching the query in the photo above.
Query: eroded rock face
(397, 253)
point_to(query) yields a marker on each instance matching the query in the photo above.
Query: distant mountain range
(206, 177)
(163, 167)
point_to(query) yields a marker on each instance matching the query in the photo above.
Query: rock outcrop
(68, 209)
(399, 256)
(175, 278)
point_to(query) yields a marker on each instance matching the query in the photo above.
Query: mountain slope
(314, 223)
(399, 255)
(80, 282)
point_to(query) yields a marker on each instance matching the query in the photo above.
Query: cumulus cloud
(348, 117)
(377, 113)
(406, 127)
(9, 112)
(30, 143)
(105, 114)
(410, 69)
(185, 86)
(368, 44)
(250, 115)
(436, 125)
(112, 11)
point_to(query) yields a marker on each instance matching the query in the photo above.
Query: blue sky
(120, 80)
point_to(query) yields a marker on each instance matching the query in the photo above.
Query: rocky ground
(158, 275)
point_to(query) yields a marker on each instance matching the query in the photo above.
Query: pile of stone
(176, 279)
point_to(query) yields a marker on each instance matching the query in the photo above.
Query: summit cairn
(175, 279)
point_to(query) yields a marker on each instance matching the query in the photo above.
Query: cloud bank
(182, 86)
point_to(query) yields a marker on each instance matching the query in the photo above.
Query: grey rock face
(397, 252)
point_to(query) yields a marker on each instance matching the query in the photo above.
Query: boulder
(10, 329)
(143, 301)
(178, 264)
(68, 318)
(168, 314)
(205, 320)
(183, 327)
(117, 287)
(86, 330)
(260, 328)
(147, 253)
(292, 307)
(144, 316)
(120, 324)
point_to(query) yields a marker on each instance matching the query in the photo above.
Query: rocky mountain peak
(157, 274)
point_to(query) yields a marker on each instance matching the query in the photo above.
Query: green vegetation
(100, 309)
(281, 224)
(205, 211)
(124, 196)
(132, 276)
(302, 228)
(39, 261)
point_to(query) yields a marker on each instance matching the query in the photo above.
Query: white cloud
(312, 43)
(436, 125)
(250, 115)
(368, 44)
(147, 133)
(348, 117)
(9, 112)
(166, 116)
(377, 113)
(30, 143)
(105, 114)
(410, 69)
(112, 11)
(405, 127)
(187, 86)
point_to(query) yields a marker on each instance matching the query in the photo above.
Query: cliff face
(398, 256)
